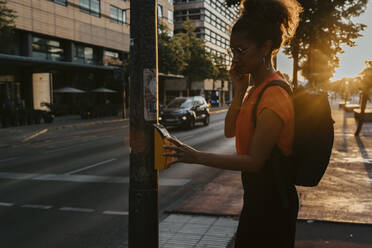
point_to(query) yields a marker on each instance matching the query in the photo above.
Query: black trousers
(265, 221)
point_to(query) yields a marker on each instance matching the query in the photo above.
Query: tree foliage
(324, 27)
(7, 17)
(186, 54)
(345, 87)
(171, 52)
(220, 72)
(366, 75)
(199, 61)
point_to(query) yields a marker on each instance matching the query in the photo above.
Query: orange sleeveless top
(274, 98)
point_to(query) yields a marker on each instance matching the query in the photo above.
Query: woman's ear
(267, 47)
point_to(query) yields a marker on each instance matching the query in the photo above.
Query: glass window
(92, 7)
(113, 13)
(84, 54)
(44, 48)
(124, 15)
(112, 58)
(117, 15)
(181, 103)
(84, 4)
(61, 2)
(170, 16)
(160, 11)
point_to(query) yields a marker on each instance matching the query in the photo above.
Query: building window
(160, 11)
(117, 15)
(170, 1)
(47, 49)
(170, 16)
(84, 54)
(61, 2)
(92, 7)
(112, 58)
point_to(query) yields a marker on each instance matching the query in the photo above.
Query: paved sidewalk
(17, 135)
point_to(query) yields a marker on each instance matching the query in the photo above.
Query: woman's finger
(174, 141)
(172, 148)
(174, 154)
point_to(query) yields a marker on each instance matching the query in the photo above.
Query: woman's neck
(260, 76)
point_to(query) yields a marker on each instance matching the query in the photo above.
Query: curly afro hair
(263, 20)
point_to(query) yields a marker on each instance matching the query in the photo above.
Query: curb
(89, 124)
(218, 111)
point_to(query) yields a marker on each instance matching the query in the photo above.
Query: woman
(265, 221)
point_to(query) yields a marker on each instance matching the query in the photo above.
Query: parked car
(185, 112)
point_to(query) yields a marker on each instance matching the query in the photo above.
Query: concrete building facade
(212, 20)
(82, 44)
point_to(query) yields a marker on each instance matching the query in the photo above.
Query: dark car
(185, 111)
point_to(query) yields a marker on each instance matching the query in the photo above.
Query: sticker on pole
(150, 89)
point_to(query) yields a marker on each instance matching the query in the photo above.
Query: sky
(352, 60)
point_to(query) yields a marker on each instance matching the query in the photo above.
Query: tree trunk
(188, 86)
(295, 65)
(362, 112)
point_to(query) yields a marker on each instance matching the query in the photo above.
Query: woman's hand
(180, 151)
(240, 81)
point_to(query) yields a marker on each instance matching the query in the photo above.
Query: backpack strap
(282, 179)
(282, 84)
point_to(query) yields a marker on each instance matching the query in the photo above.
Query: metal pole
(143, 187)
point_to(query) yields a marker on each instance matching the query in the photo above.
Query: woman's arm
(240, 83)
(232, 114)
(269, 126)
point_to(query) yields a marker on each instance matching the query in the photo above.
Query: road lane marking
(37, 206)
(90, 166)
(115, 212)
(35, 135)
(6, 204)
(84, 210)
(8, 159)
(85, 178)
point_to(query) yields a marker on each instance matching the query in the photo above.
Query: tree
(366, 85)
(325, 25)
(199, 62)
(171, 52)
(7, 17)
(221, 73)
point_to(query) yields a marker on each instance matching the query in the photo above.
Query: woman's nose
(235, 59)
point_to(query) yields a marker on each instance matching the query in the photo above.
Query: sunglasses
(237, 51)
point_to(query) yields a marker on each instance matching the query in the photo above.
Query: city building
(212, 20)
(65, 51)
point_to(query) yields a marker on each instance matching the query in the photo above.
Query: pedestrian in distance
(256, 37)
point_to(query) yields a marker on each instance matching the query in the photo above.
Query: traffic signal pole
(143, 186)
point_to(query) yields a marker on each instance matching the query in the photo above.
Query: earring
(267, 65)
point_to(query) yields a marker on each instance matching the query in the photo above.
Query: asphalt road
(69, 187)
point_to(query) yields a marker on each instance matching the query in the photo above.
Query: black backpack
(314, 133)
